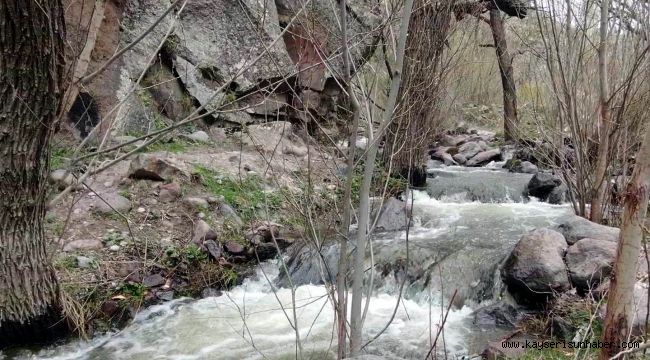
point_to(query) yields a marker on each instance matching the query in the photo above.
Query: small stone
(215, 250)
(201, 215)
(110, 308)
(152, 167)
(153, 280)
(77, 245)
(210, 292)
(196, 202)
(141, 210)
(109, 203)
(331, 187)
(114, 248)
(199, 136)
(202, 232)
(169, 192)
(234, 248)
(230, 214)
(165, 295)
(215, 199)
(62, 178)
(84, 262)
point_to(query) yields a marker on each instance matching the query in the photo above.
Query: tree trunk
(31, 80)
(600, 184)
(356, 317)
(504, 58)
(620, 304)
(413, 129)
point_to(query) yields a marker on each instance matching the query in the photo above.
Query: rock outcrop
(589, 262)
(535, 270)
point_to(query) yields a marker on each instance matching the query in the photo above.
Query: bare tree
(417, 121)
(31, 86)
(510, 120)
(363, 232)
(620, 305)
(604, 120)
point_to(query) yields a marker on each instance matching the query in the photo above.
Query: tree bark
(600, 184)
(418, 121)
(356, 317)
(620, 304)
(510, 120)
(31, 80)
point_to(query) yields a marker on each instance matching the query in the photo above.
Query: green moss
(246, 196)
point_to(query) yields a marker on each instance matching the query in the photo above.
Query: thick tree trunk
(620, 304)
(31, 77)
(504, 58)
(413, 129)
(600, 184)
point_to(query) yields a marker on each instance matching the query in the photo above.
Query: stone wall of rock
(282, 64)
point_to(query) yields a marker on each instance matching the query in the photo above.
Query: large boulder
(497, 315)
(575, 228)
(484, 157)
(108, 203)
(393, 215)
(542, 184)
(590, 261)
(470, 149)
(535, 270)
(153, 167)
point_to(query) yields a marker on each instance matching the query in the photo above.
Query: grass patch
(59, 156)
(246, 196)
(168, 146)
(546, 354)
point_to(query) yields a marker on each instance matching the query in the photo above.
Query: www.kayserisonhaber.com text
(540, 345)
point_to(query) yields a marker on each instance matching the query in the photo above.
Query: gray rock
(535, 269)
(114, 248)
(528, 167)
(202, 232)
(542, 184)
(393, 215)
(197, 203)
(497, 315)
(230, 214)
(484, 157)
(558, 195)
(84, 262)
(61, 178)
(470, 149)
(111, 202)
(460, 158)
(575, 228)
(234, 248)
(165, 295)
(169, 192)
(152, 167)
(215, 250)
(199, 136)
(590, 261)
(454, 140)
(210, 292)
(442, 155)
(153, 280)
(82, 245)
(264, 251)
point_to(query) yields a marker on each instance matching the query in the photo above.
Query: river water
(460, 236)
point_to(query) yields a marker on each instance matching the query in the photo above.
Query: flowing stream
(465, 225)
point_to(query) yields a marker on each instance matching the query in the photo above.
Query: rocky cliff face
(263, 59)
